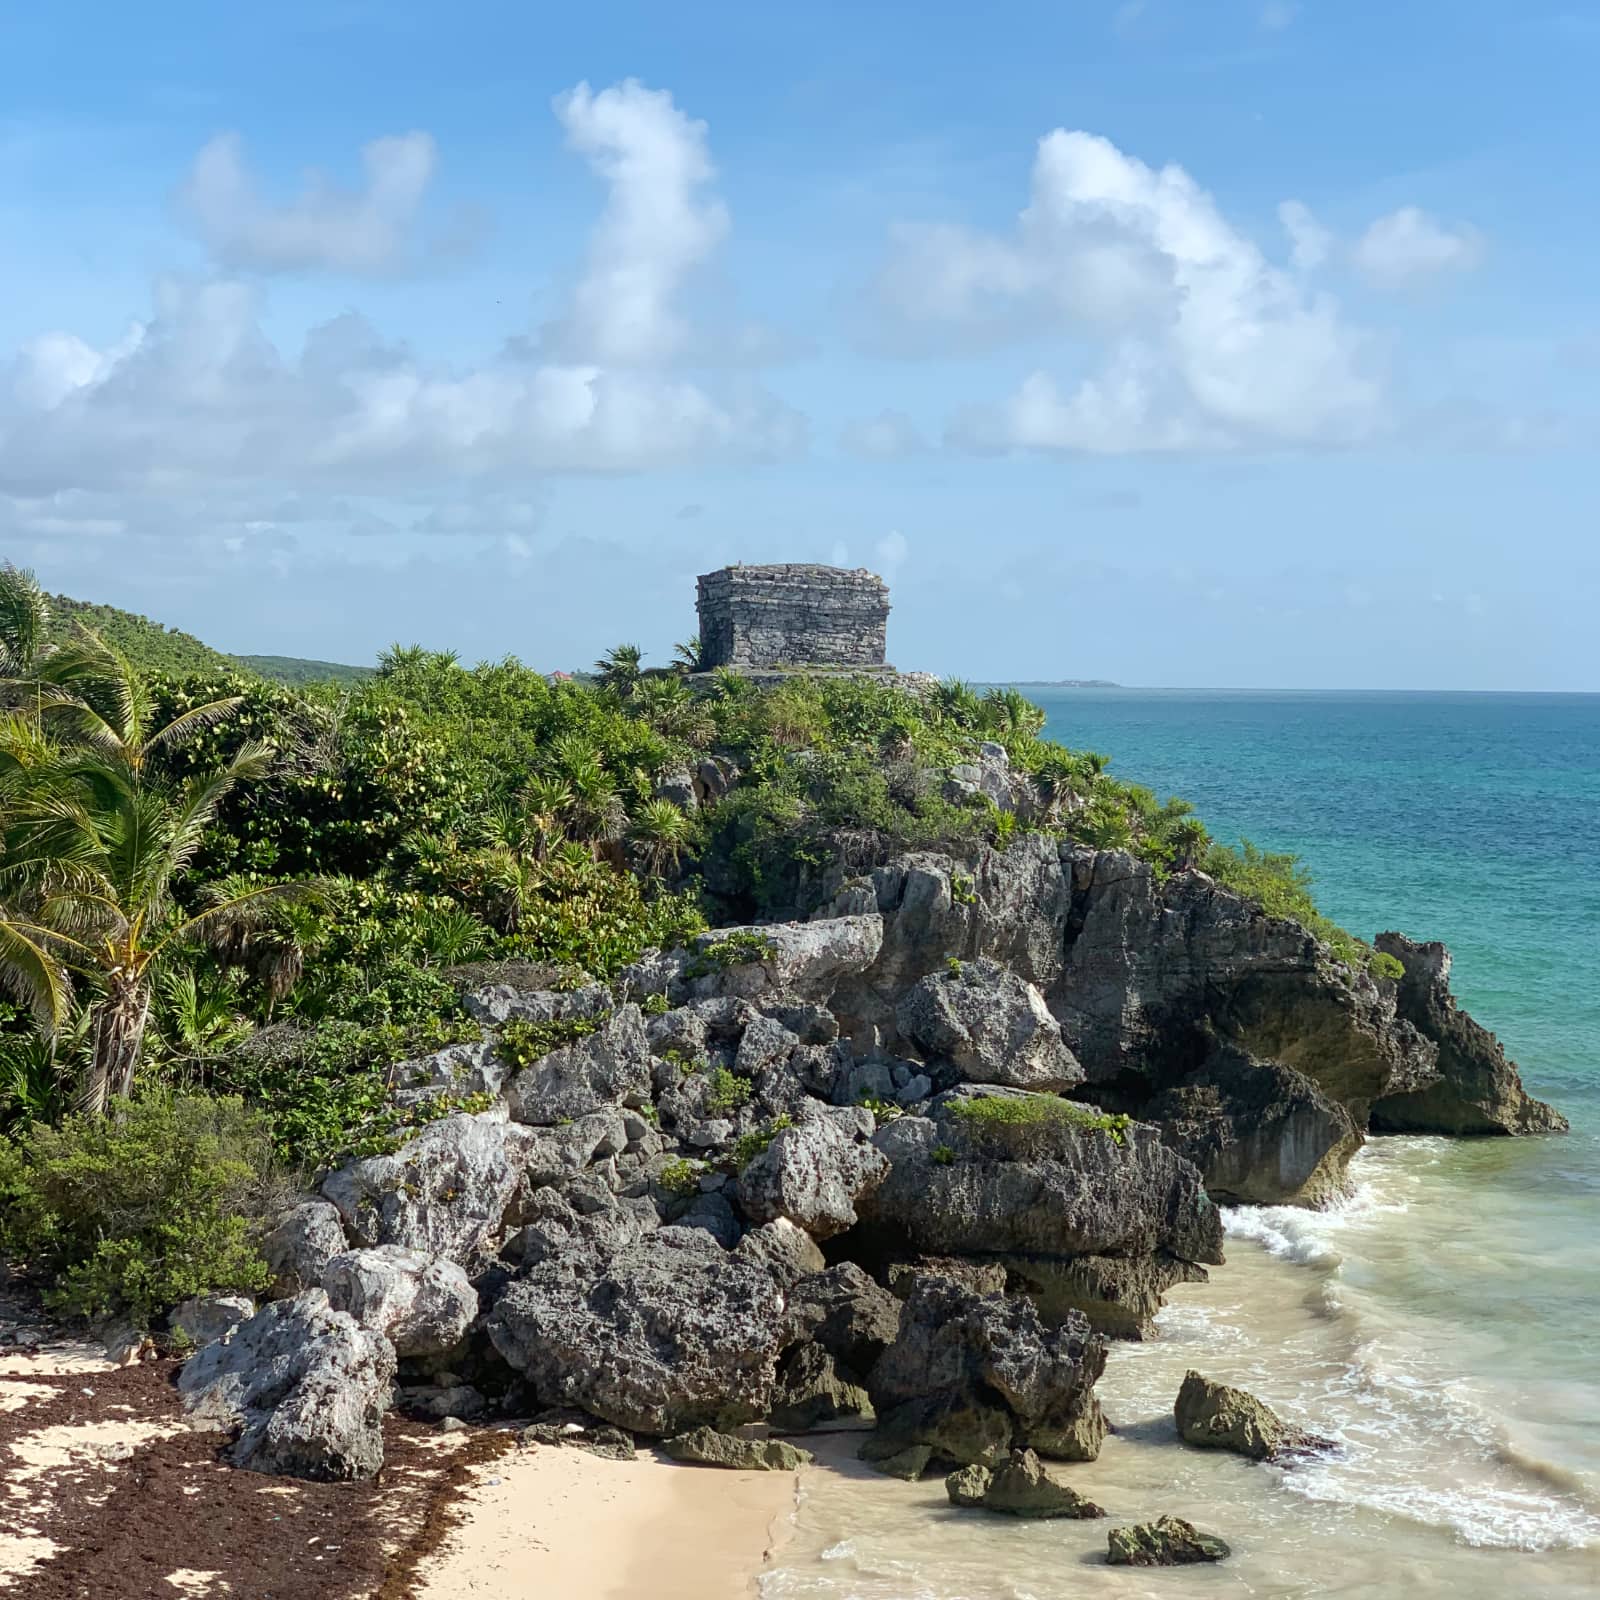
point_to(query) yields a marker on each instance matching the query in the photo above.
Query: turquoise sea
(1444, 1325)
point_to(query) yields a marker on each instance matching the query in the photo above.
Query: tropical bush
(132, 1212)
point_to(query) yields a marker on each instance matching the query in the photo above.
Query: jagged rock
(208, 1317)
(807, 959)
(556, 1155)
(610, 1067)
(667, 1334)
(1218, 1417)
(968, 1486)
(304, 1241)
(495, 1004)
(1021, 1487)
(789, 1253)
(1479, 1091)
(973, 1273)
(706, 1447)
(434, 1402)
(1260, 1133)
(446, 1193)
(1052, 1187)
(554, 1228)
(989, 777)
(815, 1174)
(474, 1068)
(811, 1390)
(715, 1214)
(423, 1305)
(1120, 1295)
(1166, 1542)
(844, 1312)
(677, 785)
(990, 1025)
(568, 1429)
(764, 1043)
(304, 1386)
(895, 1460)
(972, 1377)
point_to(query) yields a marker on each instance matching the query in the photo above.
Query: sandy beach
(548, 1521)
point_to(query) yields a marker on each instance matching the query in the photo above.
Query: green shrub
(941, 1155)
(997, 1113)
(523, 1042)
(738, 949)
(131, 1213)
(655, 1005)
(680, 1177)
(727, 1093)
(753, 1144)
(1384, 965)
(963, 891)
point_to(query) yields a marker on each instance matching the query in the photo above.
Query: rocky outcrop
(815, 1174)
(1260, 1132)
(1057, 1183)
(668, 1334)
(209, 1317)
(608, 1068)
(1218, 1417)
(1166, 1542)
(446, 1193)
(302, 1243)
(1478, 1090)
(804, 959)
(813, 1389)
(985, 1024)
(706, 1447)
(303, 1387)
(1020, 1486)
(971, 1377)
(423, 1305)
(1120, 1295)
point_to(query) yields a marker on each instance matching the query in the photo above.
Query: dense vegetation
(297, 672)
(229, 906)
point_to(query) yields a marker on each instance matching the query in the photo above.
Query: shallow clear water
(1445, 1326)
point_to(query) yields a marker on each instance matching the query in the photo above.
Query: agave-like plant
(661, 833)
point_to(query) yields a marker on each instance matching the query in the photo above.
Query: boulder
(208, 1317)
(804, 959)
(788, 1252)
(844, 1312)
(1217, 1417)
(304, 1241)
(1120, 1295)
(304, 1388)
(1058, 1185)
(667, 1334)
(1166, 1542)
(705, 1447)
(975, 1376)
(446, 1193)
(895, 1460)
(422, 1304)
(555, 1228)
(473, 1068)
(434, 1402)
(815, 1174)
(1018, 1487)
(813, 1390)
(569, 1429)
(990, 1026)
(1260, 1133)
(609, 1067)
(1478, 1091)
(495, 1004)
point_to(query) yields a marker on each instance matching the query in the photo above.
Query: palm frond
(190, 723)
(31, 973)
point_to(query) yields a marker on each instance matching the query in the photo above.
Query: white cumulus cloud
(1205, 343)
(364, 231)
(1408, 246)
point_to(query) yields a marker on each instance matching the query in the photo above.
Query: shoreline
(549, 1520)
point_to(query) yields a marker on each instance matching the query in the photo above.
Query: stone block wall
(794, 615)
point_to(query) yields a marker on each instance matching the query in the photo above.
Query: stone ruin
(793, 615)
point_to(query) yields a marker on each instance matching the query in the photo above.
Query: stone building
(793, 615)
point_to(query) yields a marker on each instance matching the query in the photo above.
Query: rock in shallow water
(1217, 1417)
(1166, 1542)
(1019, 1487)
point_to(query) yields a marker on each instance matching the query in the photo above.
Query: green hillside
(156, 648)
(294, 671)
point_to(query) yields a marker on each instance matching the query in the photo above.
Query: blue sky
(1208, 342)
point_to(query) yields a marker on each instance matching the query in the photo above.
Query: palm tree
(686, 654)
(94, 844)
(618, 669)
(24, 623)
(661, 832)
